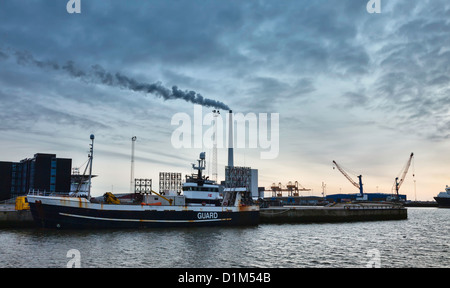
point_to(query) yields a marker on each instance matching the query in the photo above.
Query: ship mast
(133, 140)
(214, 164)
(91, 156)
(200, 167)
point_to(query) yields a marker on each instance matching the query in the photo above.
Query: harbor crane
(292, 189)
(359, 186)
(398, 183)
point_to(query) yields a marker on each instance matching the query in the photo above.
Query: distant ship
(443, 198)
(202, 204)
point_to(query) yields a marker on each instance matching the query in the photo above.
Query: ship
(443, 198)
(201, 203)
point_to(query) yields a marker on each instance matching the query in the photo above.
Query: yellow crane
(167, 199)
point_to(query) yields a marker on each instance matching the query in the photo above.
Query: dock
(333, 213)
(12, 218)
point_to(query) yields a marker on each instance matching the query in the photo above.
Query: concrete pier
(12, 218)
(332, 214)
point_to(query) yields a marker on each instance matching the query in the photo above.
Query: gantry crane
(359, 186)
(291, 188)
(398, 183)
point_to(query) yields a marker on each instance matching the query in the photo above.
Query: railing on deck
(45, 193)
(8, 201)
(370, 207)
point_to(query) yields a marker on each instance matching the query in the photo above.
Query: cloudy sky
(363, 89)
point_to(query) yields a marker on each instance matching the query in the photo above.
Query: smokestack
(230, 139)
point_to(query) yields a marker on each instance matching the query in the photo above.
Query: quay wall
(10, 218)
(329, 214)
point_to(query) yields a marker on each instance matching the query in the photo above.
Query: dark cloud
(19, 114)
(256, 42)
(410, 67)
(3, 55)
(356, 99)
(266, 93)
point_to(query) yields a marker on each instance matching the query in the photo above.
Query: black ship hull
(64, 214)
(443, 202)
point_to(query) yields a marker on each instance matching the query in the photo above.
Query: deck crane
(359, 186)
(398, 183)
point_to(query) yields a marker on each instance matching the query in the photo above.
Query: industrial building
(375, 197)
(247, 177)
(43, 172)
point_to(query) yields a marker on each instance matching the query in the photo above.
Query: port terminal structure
(292, 189)
(287, 205)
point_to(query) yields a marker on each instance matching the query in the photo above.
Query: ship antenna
(201, 165)
(214, 162)
(133, 140)
(91, 156)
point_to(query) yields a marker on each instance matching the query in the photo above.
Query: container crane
(359, 186)
(291, 188)
(398, 183)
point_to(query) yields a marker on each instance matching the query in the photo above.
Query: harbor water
(422, 240)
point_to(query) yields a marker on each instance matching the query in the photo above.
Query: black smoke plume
(97, 74)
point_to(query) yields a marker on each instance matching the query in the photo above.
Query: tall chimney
(230, 139)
